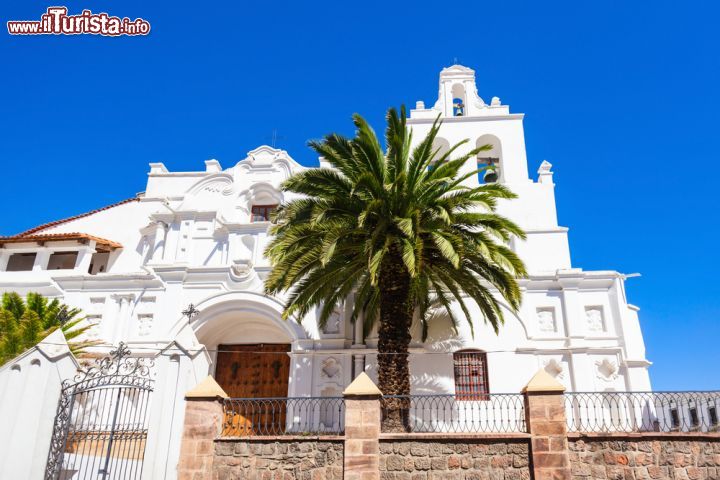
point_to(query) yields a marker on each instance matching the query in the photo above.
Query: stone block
(395, 463)
(370, 447)
(419, 448)
(550, 460)
(402, 448)
(353, 447)
(435, 449)
(497, 449)
(541, 444)
(386, 448)
(453, 462)
(205, 447)
(240, 448)
(478, 449)
(440, 463)
(549, 428)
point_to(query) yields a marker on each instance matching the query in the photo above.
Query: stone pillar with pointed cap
(546, 422)
(362, 429)
(203, 421)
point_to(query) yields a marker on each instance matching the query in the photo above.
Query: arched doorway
(249, 345)
(251, 358)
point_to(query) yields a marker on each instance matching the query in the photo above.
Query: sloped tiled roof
(75, 217)
(50, 237)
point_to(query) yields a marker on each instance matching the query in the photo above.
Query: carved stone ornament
(332, 326)
(330, 368)
(607, 370)
(546, 320)
(555, 368)
(595, 320)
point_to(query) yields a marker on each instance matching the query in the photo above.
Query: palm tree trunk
(394, 339)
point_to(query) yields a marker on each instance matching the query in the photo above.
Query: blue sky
(620, 97)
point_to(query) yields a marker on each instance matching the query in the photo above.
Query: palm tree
(400, 231)
(24, 323)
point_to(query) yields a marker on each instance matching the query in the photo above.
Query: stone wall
(458, 459)
(645, 458)
(545, 452)
(291, 459)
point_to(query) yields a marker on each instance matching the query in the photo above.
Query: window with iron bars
(471, 375)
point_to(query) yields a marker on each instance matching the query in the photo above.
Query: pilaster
(158, 252)
(85, 257)
(42, 257)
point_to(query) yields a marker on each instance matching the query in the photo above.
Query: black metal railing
(283, 416)
(488, 413)
(643, 411)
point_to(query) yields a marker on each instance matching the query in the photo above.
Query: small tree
(24, 323)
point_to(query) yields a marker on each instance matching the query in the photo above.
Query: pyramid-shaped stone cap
(362, 386)
(208, 388)
(542, 381)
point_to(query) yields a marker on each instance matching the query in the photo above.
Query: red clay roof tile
(48, 237)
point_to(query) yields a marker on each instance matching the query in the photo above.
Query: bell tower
(457, 95)
(467, 117)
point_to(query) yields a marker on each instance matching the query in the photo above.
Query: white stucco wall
(189, 239)
(29, 391)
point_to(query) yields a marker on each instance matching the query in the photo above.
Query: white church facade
(179, 269)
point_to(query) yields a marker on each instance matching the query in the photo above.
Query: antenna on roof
(274, 138)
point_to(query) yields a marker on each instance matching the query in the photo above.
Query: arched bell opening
(489, 162)
(441, 147)
(459, 100)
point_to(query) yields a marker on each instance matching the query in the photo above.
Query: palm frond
(373, 210)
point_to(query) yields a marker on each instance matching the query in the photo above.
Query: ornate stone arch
(241, 317)
(441, 146)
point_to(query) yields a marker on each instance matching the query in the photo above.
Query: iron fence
(283, 416)
(487, 413)
(643, 411)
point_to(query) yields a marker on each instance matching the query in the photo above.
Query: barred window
(261, 213)
(471, 377)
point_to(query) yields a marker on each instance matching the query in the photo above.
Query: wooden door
(257, 371)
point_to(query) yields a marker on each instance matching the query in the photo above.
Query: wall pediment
(269, 159)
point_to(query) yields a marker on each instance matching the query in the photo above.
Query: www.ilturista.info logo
(57, 22)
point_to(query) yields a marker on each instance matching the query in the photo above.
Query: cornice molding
(448, 120)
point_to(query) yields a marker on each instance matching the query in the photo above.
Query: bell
(490, 176)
